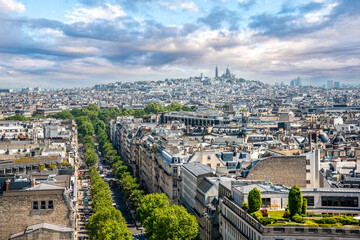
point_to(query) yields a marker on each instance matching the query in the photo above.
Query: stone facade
(287, 170)
(16, 210)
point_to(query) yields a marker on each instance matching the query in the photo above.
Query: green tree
(86, 128)
(108, 224)
(89, 140)
(93, 107)
(135, 198)
(139, 113)
(295, 200)
(304, 206)
(63, 115)
(100, 125)
(174, 107)
(15, 118)
(149, 203)
(152, 108)
(90, 157)
(254, 200)
(245, 206)
(172, 222)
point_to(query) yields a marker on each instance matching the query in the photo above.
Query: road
(118, 199)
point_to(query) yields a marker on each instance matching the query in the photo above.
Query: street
(118, 199)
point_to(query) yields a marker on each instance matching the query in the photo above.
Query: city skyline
(79, 44)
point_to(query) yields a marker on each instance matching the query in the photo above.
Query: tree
(254, 200)
(172, 222)
(90, 157)
(139, 113)
(245, 206)
(86, 128)
(63, 115)
(135, 198)
(304, 206)
(149, 203)
(93, 107)
(108, 224)
(152, 108)
(89, 140)
(295, 201)
(174, 107)
(15, 118)
(100, 125)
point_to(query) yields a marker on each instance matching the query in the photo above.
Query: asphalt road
(118, 199)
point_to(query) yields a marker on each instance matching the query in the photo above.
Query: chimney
(7, 185)
(33, 182)
(188, 129)
(185, 151)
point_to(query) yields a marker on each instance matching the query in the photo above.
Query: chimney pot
(7, 185)
(32, 182)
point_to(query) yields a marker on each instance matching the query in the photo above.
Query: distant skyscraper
(216, 72)
(336, 84)
(298, 82)
(330, 84)
(292, 83)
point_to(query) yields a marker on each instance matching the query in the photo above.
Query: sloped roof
(43, 225)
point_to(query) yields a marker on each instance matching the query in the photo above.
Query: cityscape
(171, 120)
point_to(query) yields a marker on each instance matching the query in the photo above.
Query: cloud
(218, 16)
(104, 12)
(246, 4)
(103, 43)
(9, 6)
(182, 6)
(295, 20)
(189, 6)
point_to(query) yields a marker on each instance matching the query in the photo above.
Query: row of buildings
(37, 179)
(209, 163)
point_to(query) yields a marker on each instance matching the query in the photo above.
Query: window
(209, 157)
(307, 170)
(43, 205)
(218, 164)
(175, 171)
(308, 182)
(266, 202)
(174, 194)
(174, 183)
(50, 204)
(35, 205)
(307, 162)
(339, 201)
(310, 200)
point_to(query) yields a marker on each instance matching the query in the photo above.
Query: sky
(78, 43)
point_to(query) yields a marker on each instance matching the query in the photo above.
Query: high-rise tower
(216, 72)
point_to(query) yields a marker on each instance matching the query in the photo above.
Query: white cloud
(189, 6)
(184, 6)
(106, 12)
(321, 15)
(8, 6)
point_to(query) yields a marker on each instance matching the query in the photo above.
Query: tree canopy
(149, 203)
(172, 222)
(153, 108)
(254, 200)
(295, 200)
